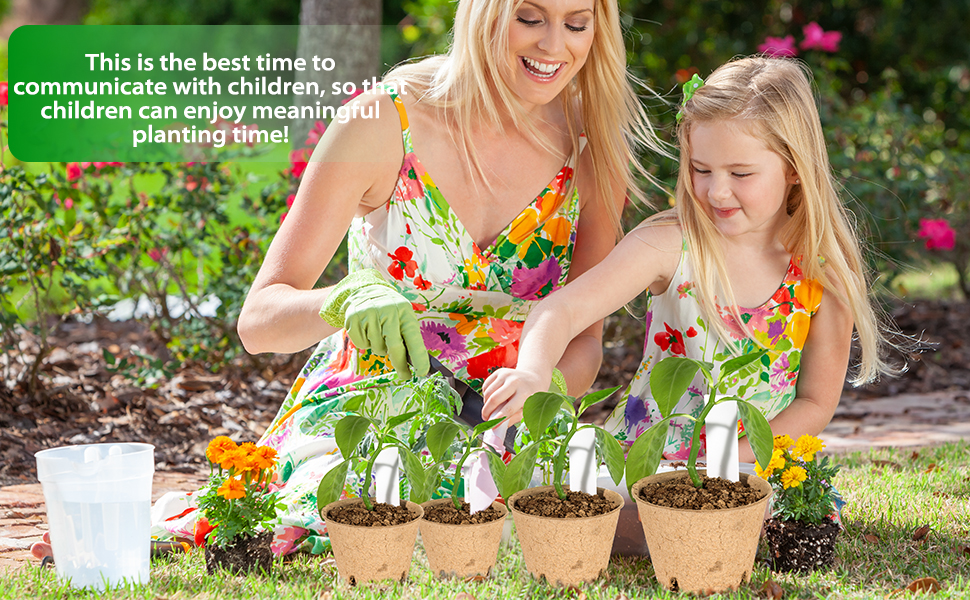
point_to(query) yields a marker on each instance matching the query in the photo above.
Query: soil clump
(449, 515)
(715, 494)
(576, 505)
(383, 515)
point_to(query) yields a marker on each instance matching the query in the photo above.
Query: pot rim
(608, 493)
(761, 483)
(414, 509)
(495, 504)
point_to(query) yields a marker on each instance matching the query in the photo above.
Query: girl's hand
(506, 391)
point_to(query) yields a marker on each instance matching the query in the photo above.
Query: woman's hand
(506, 391)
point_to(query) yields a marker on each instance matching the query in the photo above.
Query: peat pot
(702, 551)
(246, 554)
(372, 553)
(797, 546)
(462, 550)
(566, 551)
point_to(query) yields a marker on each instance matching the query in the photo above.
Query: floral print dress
(470, 302)
(676, 327)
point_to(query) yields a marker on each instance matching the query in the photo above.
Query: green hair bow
(690, 87)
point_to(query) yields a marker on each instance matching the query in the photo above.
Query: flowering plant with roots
(239, 498)
(802, 481)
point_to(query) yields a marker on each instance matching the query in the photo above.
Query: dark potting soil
(248, 554)
(797, 546)
(383, 515)
(446, 513)
(716, 494)
(576, 505)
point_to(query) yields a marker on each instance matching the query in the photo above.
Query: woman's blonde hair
(467, 86)
(774, 97)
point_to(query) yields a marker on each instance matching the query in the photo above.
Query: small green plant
(238, 497)
(802, 484)
(349, 434)
(142, 370)
(538, 413)
(669, 381)
(440, 437)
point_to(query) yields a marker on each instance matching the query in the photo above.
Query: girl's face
(738, 181)
(549, 41)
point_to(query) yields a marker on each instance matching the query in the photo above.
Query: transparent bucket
(98, 500)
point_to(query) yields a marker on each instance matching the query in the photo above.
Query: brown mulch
(85, 403)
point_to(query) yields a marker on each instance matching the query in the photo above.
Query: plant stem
(454, 488)
(365, 486)
(695, 444)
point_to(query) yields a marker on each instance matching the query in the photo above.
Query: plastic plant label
(387, 476)
(722, 441)
(583, 469)
(480, 490)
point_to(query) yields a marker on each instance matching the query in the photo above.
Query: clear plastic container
(98, 500)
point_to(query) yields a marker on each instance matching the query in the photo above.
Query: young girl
(759, 251)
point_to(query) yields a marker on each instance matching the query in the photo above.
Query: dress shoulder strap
(405, 126)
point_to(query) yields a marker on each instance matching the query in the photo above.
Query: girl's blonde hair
(773, 96)
(466, 85)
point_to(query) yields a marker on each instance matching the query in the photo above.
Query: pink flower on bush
(289, 200)
(316, 133)
(779, 46)
(937, 233)
(73, 171)
(156, 254)
(68, 204)
(818, 39)
(298, 161)
(3, 93)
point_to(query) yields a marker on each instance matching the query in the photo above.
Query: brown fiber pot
(462, 550)
(372, 553)
(702, 551)
(566, 551)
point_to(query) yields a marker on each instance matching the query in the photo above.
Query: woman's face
(549, 41)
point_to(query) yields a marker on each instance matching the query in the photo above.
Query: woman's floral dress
(676, 327)
(471, 304)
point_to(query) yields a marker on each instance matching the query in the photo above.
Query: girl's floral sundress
(470, 303)
(676, 327)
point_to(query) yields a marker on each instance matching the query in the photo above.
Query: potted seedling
(566, 535)
(458, 542)
(802, 530)
(236, 504)
(371, 541)
(694, 549)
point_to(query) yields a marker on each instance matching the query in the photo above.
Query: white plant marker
(722, 441)
(387, 473)
(582, 461)
(480, 490)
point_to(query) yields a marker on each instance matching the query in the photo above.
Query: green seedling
(538, 413)
(440, 438)
(669, 381)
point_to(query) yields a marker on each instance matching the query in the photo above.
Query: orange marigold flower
(231, 458)
(264, 457)
(218, 448)
(232, 489)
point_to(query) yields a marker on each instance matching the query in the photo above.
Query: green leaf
(332, 485)
(644, 456)
(483, 427)
(395, 421)
(669, 381)
(497, 468)
(593, 398)
(420, 479)
(440, 437)
(348, 433)
(612, 453)
(539, 411)
(758, 431)
(519, 472)
(738, 363)
(108, 357)
(355, 402)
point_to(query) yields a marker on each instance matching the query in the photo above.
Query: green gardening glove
(376, 316)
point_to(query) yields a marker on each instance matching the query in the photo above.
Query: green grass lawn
(889, 493)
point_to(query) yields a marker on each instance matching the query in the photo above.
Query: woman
(450, 252)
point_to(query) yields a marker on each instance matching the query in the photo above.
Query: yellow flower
(793, 477)
(776, 463)
(806, 447)
(231, 489)
(783, 442)
(218, 448)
